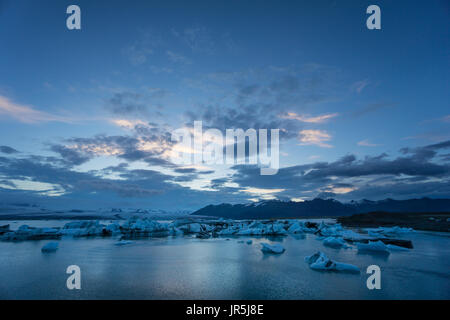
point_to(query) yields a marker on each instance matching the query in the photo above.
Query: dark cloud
(130, 148)
(71, 156)
(257, 98)
(8, 150)
(131, 103)
(94, 189)
(126, 103)
(414, 172)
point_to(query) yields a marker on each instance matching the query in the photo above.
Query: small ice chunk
(249, 241)
(319, 261)
(274, 248)
(50, 247)
(123, 242)
(334, 242)
(295, 228)
(378, 246)
(393, 247)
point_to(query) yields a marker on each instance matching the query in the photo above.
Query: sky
(86, 116)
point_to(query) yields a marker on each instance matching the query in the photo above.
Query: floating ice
(334, 242)
(25, 232)
(295, 228)
(83, 228)
(388, 231)
(123, 242)
(393, 247)
(378, 246)
(319, 261)
(249, 241)
(50, 247)
(275, 248)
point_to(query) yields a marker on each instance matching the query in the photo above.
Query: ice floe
(272, 248)
(123, 242)
(334, 242)
(50, 247)
(388, 231)
(393, 247)
(319, 261)
(377, 246)
(24, 232)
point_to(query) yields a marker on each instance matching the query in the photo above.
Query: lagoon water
(190, 268)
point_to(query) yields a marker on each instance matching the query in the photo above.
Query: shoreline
(435, 221)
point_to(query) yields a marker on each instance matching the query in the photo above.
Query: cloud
(8, 150)
(138, 51)
(177, 58)
(137, 55)
(416, 172)
(446, 118)
(315, 137)
(318, 119)
(72, 156)
(372, 107)
(359, 86)
(353, 178)
(128, 124)
(264, 194)
(126, 103)
(366, 143)
(255, 98)
(41, 175)
(27, 114)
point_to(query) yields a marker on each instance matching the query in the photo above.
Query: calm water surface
(189, 268)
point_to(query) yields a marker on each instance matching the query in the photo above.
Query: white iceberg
(295, 228)
(334, 242)
(274, 248)
(393, 247)
(377, 246)
(83, 228)
(389, 231)
(24, 232)
(319, 261)
(228, 231)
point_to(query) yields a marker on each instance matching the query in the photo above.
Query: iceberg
(319, 261)
(275, 248)
(136, 227)
(50, 247)
(388, 231)
(295, 228)
(377, 246)
(334, 242)
(123, 242)
(83, 229)
(393, 247)
(24, 232)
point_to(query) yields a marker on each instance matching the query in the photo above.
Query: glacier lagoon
(226, 267)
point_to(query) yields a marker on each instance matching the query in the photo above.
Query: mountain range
(320, 208)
